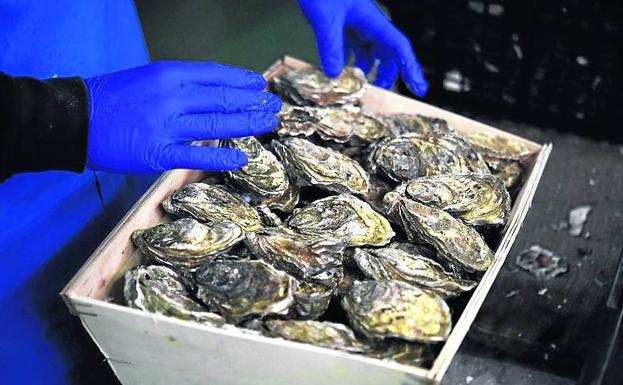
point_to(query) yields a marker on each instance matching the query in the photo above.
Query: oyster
(311, 86)
(411, 267)
(344, 217)
(399, 124)
(268, 217)
(497, 146)
(186, 242)
(322, 167)
(311, 299)
(241, 288)
(159, 289)
(330, 278)
(452, 239)
(299, 255)
(504, 156)
(210, 204)
(378, 188)
(286, 202)
(403, 352)
(409, 156)
(381, 309)
(264, 176)
(299, 121)
(326, 334)
(477, 199)
(347, 122)
(510, 172)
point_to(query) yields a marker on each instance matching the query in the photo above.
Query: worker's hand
(343, 27)
(142, 119)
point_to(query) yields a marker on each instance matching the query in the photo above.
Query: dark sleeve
(43, 124)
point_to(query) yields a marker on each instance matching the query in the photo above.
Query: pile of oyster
(347, 229)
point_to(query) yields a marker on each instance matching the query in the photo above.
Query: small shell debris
(542, 291)
(469, 379)
(541, 262)
(511, 293)
(577, 217)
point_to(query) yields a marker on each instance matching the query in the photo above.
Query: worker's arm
(359, 27)
(133, 121)
(43, 124)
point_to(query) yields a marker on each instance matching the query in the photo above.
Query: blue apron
(50, 222)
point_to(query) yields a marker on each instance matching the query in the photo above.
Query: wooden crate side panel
(453, 343)
(157, 350)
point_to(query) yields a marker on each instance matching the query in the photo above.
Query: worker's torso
(51, 221)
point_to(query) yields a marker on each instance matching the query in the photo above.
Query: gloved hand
(343, 27)
(143, 118)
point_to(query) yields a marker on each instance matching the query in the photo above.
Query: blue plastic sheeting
(52, 221)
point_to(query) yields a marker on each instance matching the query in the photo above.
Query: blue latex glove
(142, 119)
(343, 27)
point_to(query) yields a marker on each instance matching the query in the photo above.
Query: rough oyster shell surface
(322, 167)
(264, 176)
(387, 308)
(403, 123)
(412, 268)
(477, 199)
(210, 204)
(312, 299)
(311, 86)
(504, 156)
(320, 333)
(242, 288)
(452, 239)
(406, 353)
(187, 243)
(301, 256)
(159, 289)
(409, 156)
(345, 217)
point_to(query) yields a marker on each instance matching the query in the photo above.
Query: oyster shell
(411, 267)
(347, 122)
(186, 242)
(299, 121)
(399, 124)
(477, 199)
(322, 167)
(264, 176)
(311, 299)
(497, 146)
(403, 352)
(311, 86)
(345, 217)
(302, 256)
(159, 289)
(453, 240)
(241, 288)
(509, 171)
(504, 156)
(409, 156)
(210, 204)
(268, 217)
(325, 334)
(378, 188)
(381, 309)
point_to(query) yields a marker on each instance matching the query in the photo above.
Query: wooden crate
(144, 348)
